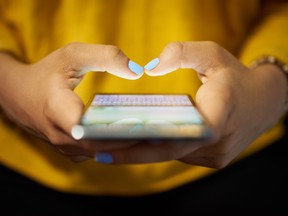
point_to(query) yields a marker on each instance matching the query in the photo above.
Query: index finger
(201, 56)
(83, 58)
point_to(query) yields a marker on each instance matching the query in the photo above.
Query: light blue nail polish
(135, 67)
(104, 157)
(152, 64)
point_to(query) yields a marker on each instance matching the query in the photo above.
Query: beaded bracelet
(268, 59)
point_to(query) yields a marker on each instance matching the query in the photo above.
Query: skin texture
(239, 103)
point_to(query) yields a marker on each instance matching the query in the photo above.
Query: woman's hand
(40, 96)
(239, 103)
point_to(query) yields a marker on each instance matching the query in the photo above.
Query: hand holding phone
(141, 117)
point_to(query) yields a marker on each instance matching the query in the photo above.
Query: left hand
(239, 103)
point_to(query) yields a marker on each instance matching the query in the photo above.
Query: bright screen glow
(141, 110)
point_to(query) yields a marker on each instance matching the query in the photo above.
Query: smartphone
(141, 117)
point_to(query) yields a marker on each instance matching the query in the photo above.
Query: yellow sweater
(31, 29)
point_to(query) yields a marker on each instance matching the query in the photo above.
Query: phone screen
(141, 116)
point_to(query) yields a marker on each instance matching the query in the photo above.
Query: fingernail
(152, 64)
(135, 67)
(104, 157)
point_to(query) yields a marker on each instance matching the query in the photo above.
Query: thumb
(202, 57)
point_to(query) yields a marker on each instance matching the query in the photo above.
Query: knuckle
(220, 164)
(57, 141)
(212, 44)
(175, 50)
(176, 46)
(217, 162)
(112, 51)
(220, 159)
(111, 54)
(215, 50)
(71, 47)
(69, 50)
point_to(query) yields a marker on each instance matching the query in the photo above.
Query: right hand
(40, 98)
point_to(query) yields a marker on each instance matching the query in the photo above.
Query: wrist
(277, 69)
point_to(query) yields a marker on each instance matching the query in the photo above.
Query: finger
(72, 150)
(65, 144)
(105, 145)
(79, 158)
(218, 155)
(200, 56)
(213, 99)
(145, 153)
(64, 109)
(200, 161)
(91, 57)
(212, 159)
(69, 147)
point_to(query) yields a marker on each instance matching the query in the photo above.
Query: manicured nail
(152, 64)
(104, 157)
(135, 67)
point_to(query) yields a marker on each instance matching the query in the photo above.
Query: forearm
(10, 77)
(12, 90)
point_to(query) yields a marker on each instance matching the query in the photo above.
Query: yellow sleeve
(270, 35)
(8, 37)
